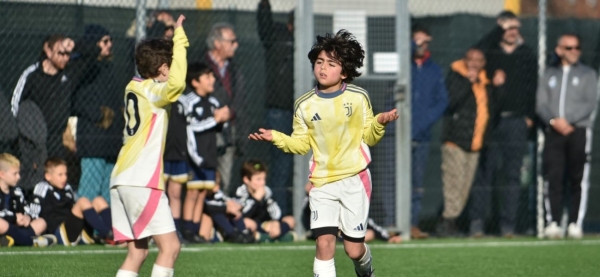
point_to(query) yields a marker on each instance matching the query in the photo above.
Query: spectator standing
(505, 50)
(222, 44)
(50, 87)
(278, 40)
(566, 103)
(97, 100)
(470, 95)
(429, 100)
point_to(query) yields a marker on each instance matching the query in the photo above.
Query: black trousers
(506, 149)
(566, 158)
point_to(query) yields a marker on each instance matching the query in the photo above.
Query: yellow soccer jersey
(334, 126)
(146, 115)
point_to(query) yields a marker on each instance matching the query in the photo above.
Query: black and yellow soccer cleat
(6, 241)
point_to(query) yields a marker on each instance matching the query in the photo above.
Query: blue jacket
(429, 98)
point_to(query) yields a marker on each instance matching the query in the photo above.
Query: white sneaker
(574, 231)
(552, 231)
(45, 240)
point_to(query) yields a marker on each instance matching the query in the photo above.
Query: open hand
(179, 21)
(385, 118)
(263, 135)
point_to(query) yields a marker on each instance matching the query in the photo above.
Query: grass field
(518, 257)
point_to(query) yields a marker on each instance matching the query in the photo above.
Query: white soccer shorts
(343, 204)
(139, 212)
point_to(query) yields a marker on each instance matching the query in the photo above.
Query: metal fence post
(540, 134)
(140, 20)
(303, 34)
(403, 133)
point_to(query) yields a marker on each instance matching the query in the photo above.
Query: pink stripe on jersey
(119, 236)
(151, 127)
(312, 167)
(138, 79)
(365, 155)
(366, 180)
(155, 179)
(148, 213)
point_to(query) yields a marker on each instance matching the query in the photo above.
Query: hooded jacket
(469, 111)
(97, 87)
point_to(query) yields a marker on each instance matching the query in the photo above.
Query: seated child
(69, 218)
(225, 215)
(16, 226)
(261, 213)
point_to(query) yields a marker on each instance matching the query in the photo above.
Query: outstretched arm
(297, 143)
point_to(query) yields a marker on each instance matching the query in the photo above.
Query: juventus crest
(348, 107)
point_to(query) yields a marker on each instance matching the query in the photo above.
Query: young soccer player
(16, 225)
(374, 231)
(335, 120)
(262, 214)
(176, 168)
(70, 219)
(139, 205)
(206, 117)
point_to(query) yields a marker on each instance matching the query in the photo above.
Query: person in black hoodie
(97, 100)
(504, 50)
(278, 41)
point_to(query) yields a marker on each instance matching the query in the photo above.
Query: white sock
(159, 271)
(324, 268)
(363, 265)
(126, 273)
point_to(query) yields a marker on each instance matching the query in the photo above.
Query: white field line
(72, 251)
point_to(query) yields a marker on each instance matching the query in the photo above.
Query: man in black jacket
(504, 50)
(471, 96)
(97, 102)
(278, 41)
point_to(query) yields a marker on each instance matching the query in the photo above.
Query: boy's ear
(344, 76)
(246, 180)
(163, 69)
(46, 175)
(195, 82)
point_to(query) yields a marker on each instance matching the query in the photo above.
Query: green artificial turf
(523, 257)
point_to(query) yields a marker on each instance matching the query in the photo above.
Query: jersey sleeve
(37, 200)
(21, 206)
(298, 142)
(169, 92)
(272, 206)
(372, 130)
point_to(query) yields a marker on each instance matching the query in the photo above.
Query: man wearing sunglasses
(48, 85)
(510, 125)
(97, 103)
(566, 103)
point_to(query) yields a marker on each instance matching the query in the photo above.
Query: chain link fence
(77, 89)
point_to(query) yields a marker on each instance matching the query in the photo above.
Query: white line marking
(312, 247)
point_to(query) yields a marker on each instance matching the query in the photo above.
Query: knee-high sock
(90, 216)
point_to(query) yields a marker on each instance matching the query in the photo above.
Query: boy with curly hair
(335, 120)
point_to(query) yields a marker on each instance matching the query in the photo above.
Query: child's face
(328, 72)
(57, 177)
(206, 83)
(257, 181)
(10, 176)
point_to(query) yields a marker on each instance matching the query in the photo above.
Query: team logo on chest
(348, 107)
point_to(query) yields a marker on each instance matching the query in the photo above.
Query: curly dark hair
(151, 54)
(343, 48)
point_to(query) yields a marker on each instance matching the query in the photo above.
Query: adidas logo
(316, 117)
(359, 228)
